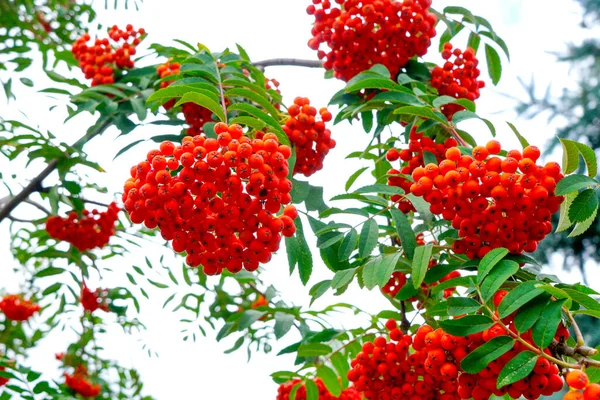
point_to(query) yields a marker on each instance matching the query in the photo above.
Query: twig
(223, 105)
(578, 334)
(36, 183)
(25, 221)
(292, 62)
(38, 206)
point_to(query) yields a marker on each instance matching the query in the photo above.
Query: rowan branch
(36, 183)
(292, 62)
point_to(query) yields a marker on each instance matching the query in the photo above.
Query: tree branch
(292, 62)
(36, 183)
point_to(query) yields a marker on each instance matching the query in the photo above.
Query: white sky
(268, 29)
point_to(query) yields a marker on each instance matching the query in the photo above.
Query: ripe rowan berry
(577, 379)
(80, 384)
(16, 308)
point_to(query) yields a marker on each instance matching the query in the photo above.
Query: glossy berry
(577, 379)
(284, 390)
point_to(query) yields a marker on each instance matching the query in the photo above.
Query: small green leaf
(462, 305)
(496, 278)
(348, 244)
(570, 161)
(50, 271)
(477, 360)
(314, 350)
(564, 222)
(518, 368)
(283, 324)
(489, 261)
(494, 64)
(305, 260)
(377, 271)
(574, 183)
(424, 112)
(354, 177)
(521, 138)
(583, 226)
(330, 379)
(466, 325)
(584, 205)
(312, 392)
(528, 314)
(518, 297)
(340, 363)
(248, 318)
(369, 235)
(342, 278)
(420, 263)
(589, 156)
(405, 232)
(319, 289)
(544, 329)
(204, 101)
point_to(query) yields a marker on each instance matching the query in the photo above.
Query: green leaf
(584, 205)
(583, 299)
(129, 146)
(518, 297)
(466, 325)
(420, 263)
(158, 284)
(204, 101)
(570, 161)
(372, 83)
(379, 189)
(583, 226)
(528, 314)
(477, 360)
(369, 235)
(342, 278)
(405, 232)
(340, 363)
(564, 222)
(283, 376)
(574, 183)
(377, 271)
(305, 260)
(138, 106)
(283, 324)
(314, 350)
(266, 118)
(26, 81)
(319, 289)
(255, 97)
(52, 289)
(348, 244)
(462, 305)
(518, 368)
(522, 140)
(589, 156)
(330, 379)
(494, 64)
(474, 41)
(544, 329)
(489, 261)
(424, 112)
(465, 115)
(50, 271)
(496, 278)
(329, 239)
(312, 392)
(248, 318)
(354, 176)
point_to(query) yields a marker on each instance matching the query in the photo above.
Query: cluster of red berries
(578, 381)
(492, 202)
(362, 33)
(310, 137)
(216, 199)
(90, 230)
(386, 370)
(79, 383)
(16, 308)
(398, 279)
(99, 61)
(457, 78)
(411, 159)
(284, 390)
(92, 300)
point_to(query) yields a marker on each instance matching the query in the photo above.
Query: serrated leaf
(330, 379)
(377, 271)
(424, 112)
(589, 156)
(496, 278)
(544, 329)
(528, 314)
(283, 324)
(348, 244)
(369, 235)
(405, 232)
(342, 278)
(518, 368)
(477, 360)
(583, 206)
(466, 325)
(319, 289)
(489, 261)
(203, 101)
(574, 183)
(517, 297)
(304, 255)
(494, 64)
(248, 318)
(583, 226)
(462, 305)
(340, 363)
(420, 263)
(354, 177)
(570, 161)
(314, 350)
(563, 221)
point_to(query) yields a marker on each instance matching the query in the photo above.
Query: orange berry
(577, 379)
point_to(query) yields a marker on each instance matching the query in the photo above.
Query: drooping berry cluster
(492, 202)
(309, 135)
(93, 300)
(457, 78)
(88, 231)
(362, 33)
(80, 384)
(216, 199)
(398, 279)
(16, 308)
(412, 158)
(390, 370)
(581, 388)
(100, 60)
(284, 390)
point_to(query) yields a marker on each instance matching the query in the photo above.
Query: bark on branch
(294, 62)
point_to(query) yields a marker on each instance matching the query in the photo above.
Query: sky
(270, 29)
